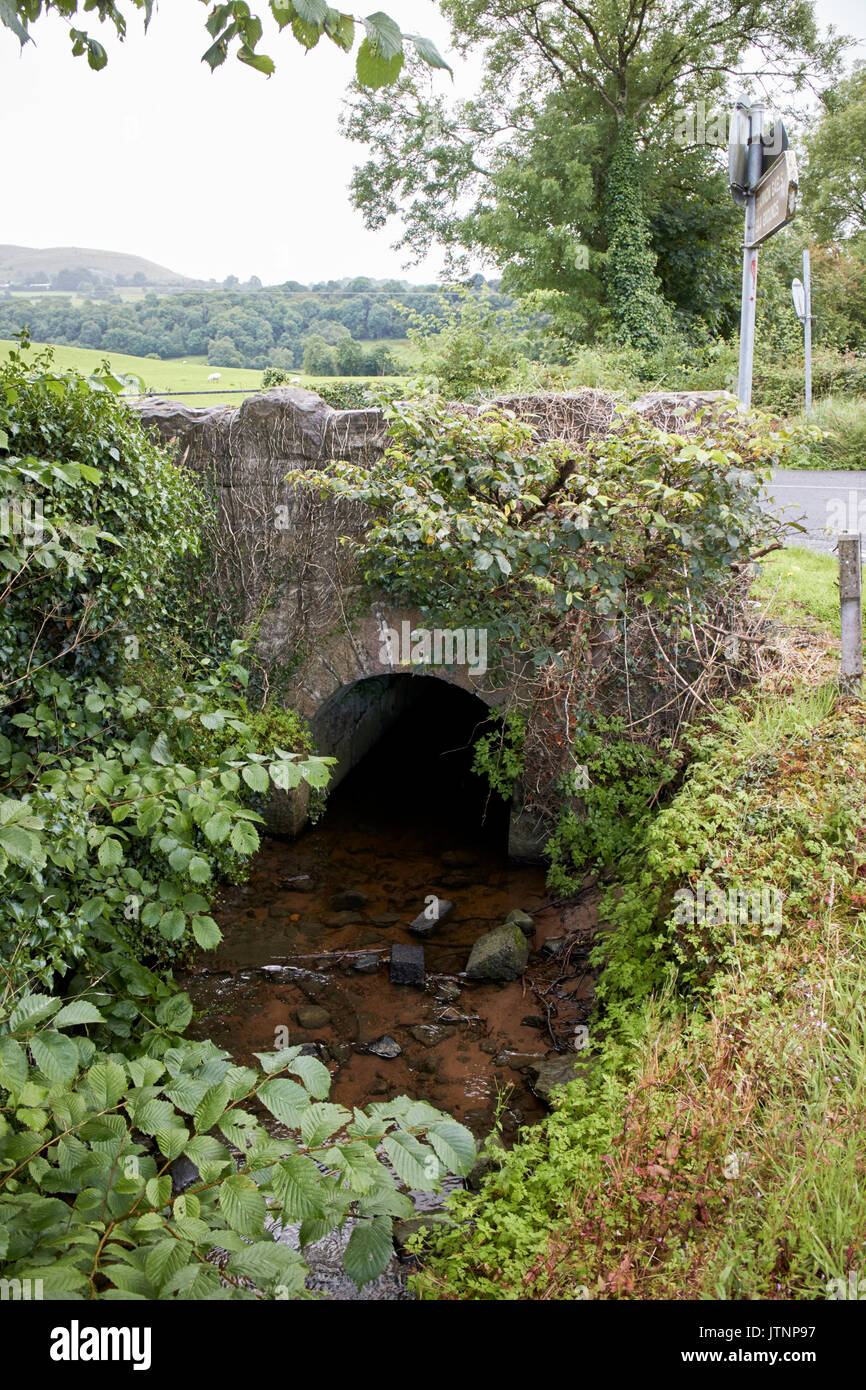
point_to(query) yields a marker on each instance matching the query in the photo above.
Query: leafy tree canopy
(835, 191)
(519, 173)
(233, 27)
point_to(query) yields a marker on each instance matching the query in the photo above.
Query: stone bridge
(329, 650)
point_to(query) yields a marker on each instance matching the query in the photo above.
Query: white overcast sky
(211, 175)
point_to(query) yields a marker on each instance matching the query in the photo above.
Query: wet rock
(558, 1071)
(553, 947)
(521, 919)
(533, 1021)
(407, 964)
(351, 900)
(434, 913)
(183, 1174)
(446, 990)
(489, 1046)
(455, 880)
(431, 1034)
(339, 1052)
(404, 1230)
(368, 963)
(386, 919)
(385, 1046)
(379, 1087)
(341, 919)
(522, 1061)
(512, 1120)
(313, 1016)
(500, 954)
(490, 1157)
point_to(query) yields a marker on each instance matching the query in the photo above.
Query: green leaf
(320, 1122)
(211, 1107)
(242, 1204)
(256, 777)
(55, 1056)
(374, 71)
(341, 29)
(32, 1009)
(286, 1100)
(296, 1183)
(218, 827)
(206, 932)
(383, 35)
(454, 1144)
(199, 869)
(428, 52)
(13, 1064)
(314, 1074)
(105, 1083)
(369, 1250)
(175, 1013)
(244, 838)
(411, 1161)
(268, 1262)
(165, 1259)
(79, 1011)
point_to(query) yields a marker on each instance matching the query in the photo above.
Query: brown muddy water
(306, 940)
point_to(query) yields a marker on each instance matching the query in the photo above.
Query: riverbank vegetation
(710, 1145)
(133, 767)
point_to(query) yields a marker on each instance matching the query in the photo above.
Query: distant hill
(33, 265)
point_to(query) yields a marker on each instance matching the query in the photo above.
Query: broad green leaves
(233, 25)
(85, 1145)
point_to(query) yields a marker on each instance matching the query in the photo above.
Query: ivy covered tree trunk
(641, 316)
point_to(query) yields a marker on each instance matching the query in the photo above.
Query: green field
(173, 374)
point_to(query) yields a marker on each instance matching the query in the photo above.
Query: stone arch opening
(404, 745)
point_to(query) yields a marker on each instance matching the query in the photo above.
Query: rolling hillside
(35, 264)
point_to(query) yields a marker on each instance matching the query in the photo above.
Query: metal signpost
(801, 290)
(763, 178)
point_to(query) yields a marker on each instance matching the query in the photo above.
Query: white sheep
(215, 376)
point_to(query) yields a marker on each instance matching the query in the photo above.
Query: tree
(350, 358)
(379, 59)
(835, 191)
(519, 174)
(223, 353)
(319, 357)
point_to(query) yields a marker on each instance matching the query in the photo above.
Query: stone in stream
(521, 919)
(500, 954)
(553, 947)
(427, 921)
(404, 1230)
(386, 1046)
(545, 1076)
(368, 963)
(431, 1034)
(349, 901)
(407, 964)
(313, 1016)
(446, 990)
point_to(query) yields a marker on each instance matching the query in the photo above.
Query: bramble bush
(130, 770)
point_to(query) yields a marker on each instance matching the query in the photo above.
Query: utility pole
(748, 302)
(807, 326)
(763, 178)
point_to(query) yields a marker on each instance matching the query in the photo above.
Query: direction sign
(798, 294)
(775, 198)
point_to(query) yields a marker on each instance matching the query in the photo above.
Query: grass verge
(713, 1145)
